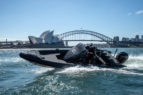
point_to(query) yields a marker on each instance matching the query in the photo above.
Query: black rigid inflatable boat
(46, 58)
(56, 58)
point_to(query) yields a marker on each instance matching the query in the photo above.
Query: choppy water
(19, 77)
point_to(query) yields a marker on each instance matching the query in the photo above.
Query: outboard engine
(122, 57)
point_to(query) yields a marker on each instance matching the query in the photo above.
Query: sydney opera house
(47, 40)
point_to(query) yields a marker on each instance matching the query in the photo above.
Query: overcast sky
(21, 18)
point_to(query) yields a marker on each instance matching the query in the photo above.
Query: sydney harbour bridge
(85, 35)
(77, 36)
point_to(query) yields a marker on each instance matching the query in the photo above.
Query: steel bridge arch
(92, 33)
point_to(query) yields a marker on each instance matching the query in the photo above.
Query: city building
(137, 38)
(116, 39)
(141, 38)
(125, 39)
(132, 39)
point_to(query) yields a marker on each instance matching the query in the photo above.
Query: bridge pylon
(66, 43)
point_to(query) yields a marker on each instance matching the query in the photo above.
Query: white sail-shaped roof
(47, 36)
(35, 40)
(56, 39)
(44, 34)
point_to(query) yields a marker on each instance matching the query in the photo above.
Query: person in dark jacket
(90, 53)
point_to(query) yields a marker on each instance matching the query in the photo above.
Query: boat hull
(51, 61)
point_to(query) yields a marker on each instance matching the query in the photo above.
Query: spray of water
(11, 59)
(134, 62)
(41, 70)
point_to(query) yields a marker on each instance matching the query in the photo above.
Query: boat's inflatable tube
(42, 62)
(109, 59)
(122, 57)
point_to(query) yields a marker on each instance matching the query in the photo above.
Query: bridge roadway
(87, 40)
(103, 38)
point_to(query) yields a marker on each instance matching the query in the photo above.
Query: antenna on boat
(115, 51)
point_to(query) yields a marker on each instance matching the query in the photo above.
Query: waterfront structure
(132, 39)
(125, 39)
(35, 40)
(141, 38)
(77, 36)
(56, 38)
(116, 39)
(137, 38)
(46, 37)
(48, 40)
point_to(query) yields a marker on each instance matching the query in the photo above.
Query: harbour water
(20, 77)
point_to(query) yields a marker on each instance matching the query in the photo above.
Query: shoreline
(62, 48)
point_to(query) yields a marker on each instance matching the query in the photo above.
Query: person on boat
(90, 53)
